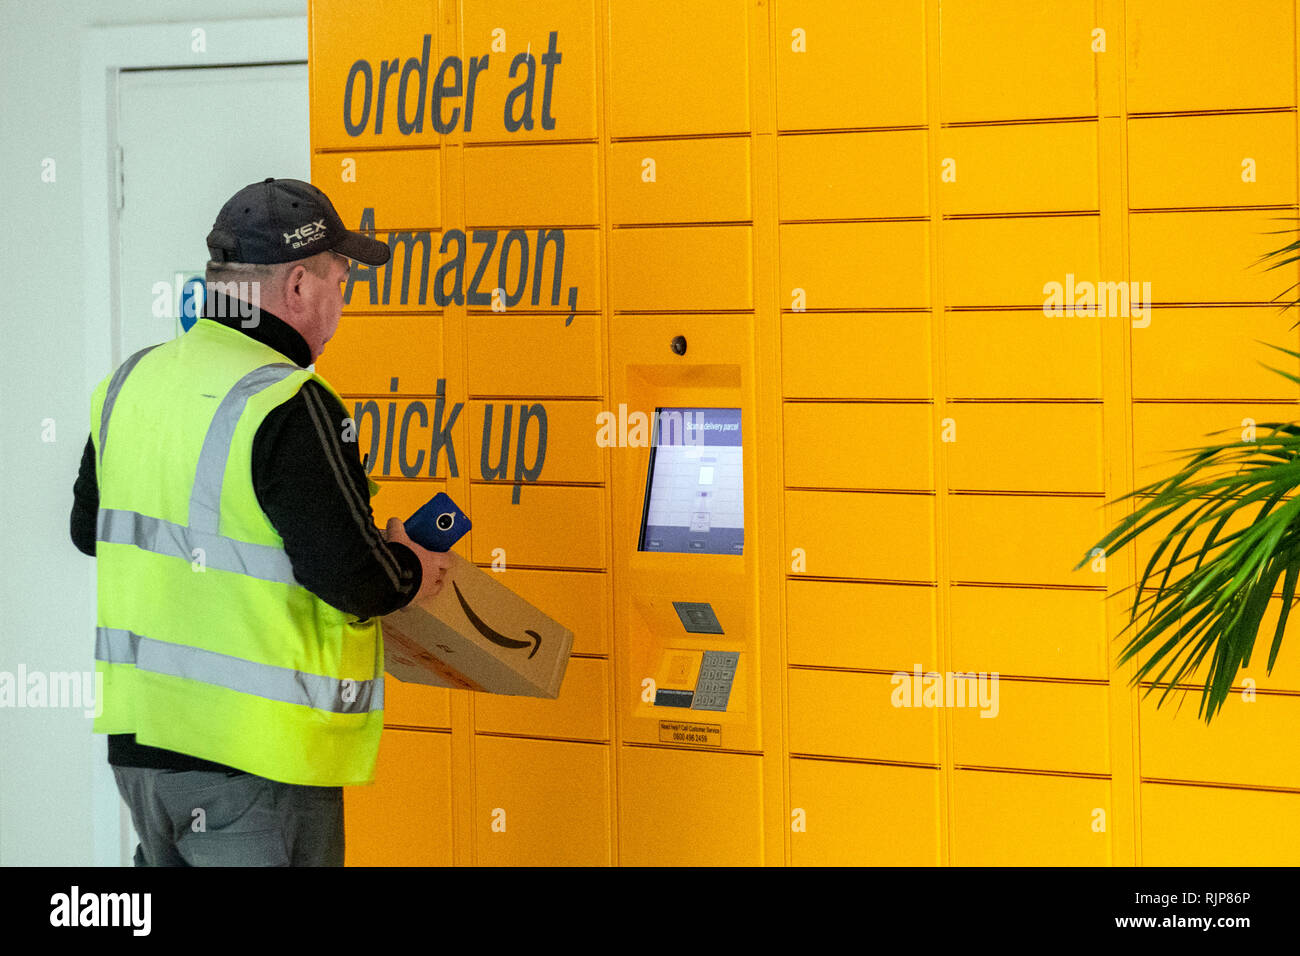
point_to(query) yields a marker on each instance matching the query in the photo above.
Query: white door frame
(105, 52)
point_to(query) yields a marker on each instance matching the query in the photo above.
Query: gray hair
(243, 281)
(247, 281)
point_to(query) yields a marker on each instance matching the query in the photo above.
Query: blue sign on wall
(192, 297)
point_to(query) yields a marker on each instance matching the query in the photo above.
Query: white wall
(48, 814)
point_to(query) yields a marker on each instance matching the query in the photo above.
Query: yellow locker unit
(502, 37)
(856, 355)
(1188, 56)
(369, 352)
(532, 355)
(1244, 159)
(686, 623)
(415, 766)
(356, 83)
(896, 625)
(677, 181)
(781, 274)
(701, 87)
(1215, 354)
(541, 803)
(1255, 676)
(1029, 632)
(1017, 61)
(553, 184)
(689, 808)
(876, 175)
(1022, 354)
(1025, 446)
(1205, 257)
(820, 46)
(399, 187)
(1186, 825)
(1026, 167)
(1024, 819)
(863, 814)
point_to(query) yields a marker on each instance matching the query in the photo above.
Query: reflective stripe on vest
(205, 499)
(262, 561)
(116, 646)
(265, 562)
(110, 396)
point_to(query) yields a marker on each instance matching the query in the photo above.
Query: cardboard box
(477, 634)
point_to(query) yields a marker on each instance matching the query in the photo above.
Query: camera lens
(445, 521)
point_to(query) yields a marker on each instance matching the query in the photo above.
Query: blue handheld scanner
(438, 524)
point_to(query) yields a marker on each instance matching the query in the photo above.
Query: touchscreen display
(694, 499)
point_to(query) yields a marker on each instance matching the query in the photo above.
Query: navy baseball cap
(281, 220)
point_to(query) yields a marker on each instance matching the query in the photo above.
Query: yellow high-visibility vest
(207, 643)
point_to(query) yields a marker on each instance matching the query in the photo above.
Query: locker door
(678, 67)
(1020, 819)
(1191, 56)
(871, 55)
(404, 817)
(856, 814)
(1018, 61)
(710, 815)
(541, 803)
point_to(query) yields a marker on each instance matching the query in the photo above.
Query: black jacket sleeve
(312, 487)
(85, 502)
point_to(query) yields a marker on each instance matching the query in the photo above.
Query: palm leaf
(1204, 602)
(1199, 602)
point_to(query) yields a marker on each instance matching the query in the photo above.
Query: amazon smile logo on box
(498, 639)
(477, 634)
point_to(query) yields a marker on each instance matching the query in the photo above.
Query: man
(240, 573)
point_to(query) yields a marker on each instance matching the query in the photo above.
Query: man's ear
(293, 283)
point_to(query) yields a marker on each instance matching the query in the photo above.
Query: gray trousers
(204, 818)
